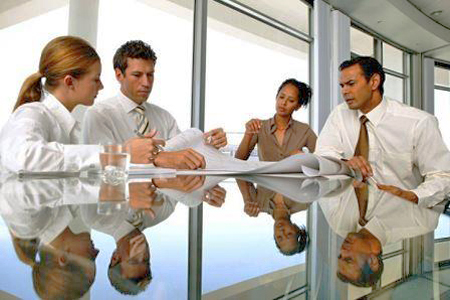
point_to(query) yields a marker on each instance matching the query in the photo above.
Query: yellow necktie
(362, 149)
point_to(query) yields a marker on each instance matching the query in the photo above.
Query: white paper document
(218, 163)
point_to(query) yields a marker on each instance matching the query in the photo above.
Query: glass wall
(247, 60)
(442, 101)
(395, 62)
(361, 43)
(123, 20)
(397, 74)
(21, 46)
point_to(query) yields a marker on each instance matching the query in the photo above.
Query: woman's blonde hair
(62, 56)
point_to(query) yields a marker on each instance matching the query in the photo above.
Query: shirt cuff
(425, 199)
(81, 157)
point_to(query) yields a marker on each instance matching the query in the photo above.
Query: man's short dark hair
(132, 49)
(131, 286)
(368, 277)
(369, 65)
(304, 91)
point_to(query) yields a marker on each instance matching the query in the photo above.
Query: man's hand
(252, 126)
(359, 163)
(181, 160)
(216, 138)
(144, 149)
(184, 183)
(215, 196)
(142, 195)
(408, 195)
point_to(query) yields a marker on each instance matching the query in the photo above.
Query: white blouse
(42, 137)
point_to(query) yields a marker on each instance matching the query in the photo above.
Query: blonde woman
(41, 134)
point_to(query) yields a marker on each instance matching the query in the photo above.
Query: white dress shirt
(405, 147)
(39, 136)
(113, 121)
(389, 218)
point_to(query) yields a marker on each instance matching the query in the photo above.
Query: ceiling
(8, 4)
(420, 25)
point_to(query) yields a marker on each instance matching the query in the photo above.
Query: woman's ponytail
(31, 90)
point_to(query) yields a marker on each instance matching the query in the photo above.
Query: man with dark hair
(129, 269)
(129, 114)
(384, 139)
(359, 261)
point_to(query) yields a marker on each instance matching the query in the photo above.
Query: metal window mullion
(395, 73)
(378, 50)
(259, 16)
(407, 61)
(442, 88)
(195, 229)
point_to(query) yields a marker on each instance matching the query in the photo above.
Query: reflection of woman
(289, 238)
(38, 135)
(280, 136)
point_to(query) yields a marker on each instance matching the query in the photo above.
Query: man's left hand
(408, 195)
(216, 138)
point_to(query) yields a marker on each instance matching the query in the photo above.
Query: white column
(428, 85)
(341, 52)
(321, 105)
(83, 19)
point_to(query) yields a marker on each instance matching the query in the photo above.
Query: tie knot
(363, 119)
(140, 109)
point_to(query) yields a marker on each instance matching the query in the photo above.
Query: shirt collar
(63, 116)
(376, 114)
(273, 125)
(127, 104)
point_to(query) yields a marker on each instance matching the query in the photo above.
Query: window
(361, 44)
(21, 46)
(396, 73)
(124, 20)
(247, 60)
(394, 62)
(442, 101)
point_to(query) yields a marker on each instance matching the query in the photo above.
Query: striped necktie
(143, 125)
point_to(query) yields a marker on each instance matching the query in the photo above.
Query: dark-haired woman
(280, 136)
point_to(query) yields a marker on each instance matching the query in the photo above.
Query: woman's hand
(252, 126)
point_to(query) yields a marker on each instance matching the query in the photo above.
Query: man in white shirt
(405, 146)
(129, 114)
(368, 224)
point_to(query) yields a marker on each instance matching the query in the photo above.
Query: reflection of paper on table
(195, 198)
(218, 163)
(302, 190)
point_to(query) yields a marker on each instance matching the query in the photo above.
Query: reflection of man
(129, 114)
(129, 270)
(368, 224)
(289, 237)
(405, 147)
(359, 261)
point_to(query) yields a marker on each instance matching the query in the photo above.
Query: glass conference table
(192, 237)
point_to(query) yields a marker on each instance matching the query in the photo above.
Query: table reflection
(54, 222)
